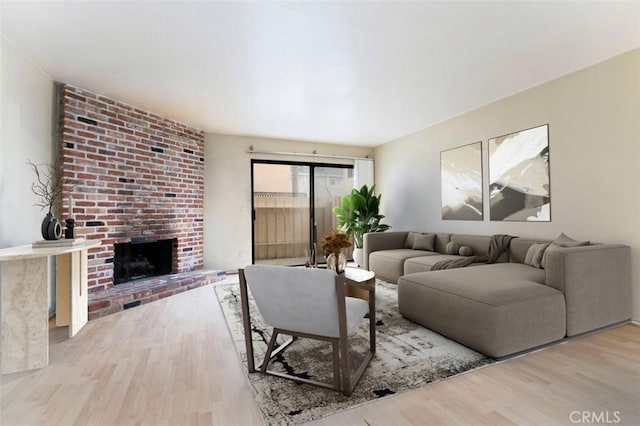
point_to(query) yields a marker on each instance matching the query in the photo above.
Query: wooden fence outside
(282, 228)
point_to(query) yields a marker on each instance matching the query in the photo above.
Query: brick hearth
(135, 293)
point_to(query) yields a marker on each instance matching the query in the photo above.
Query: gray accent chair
(308, 303)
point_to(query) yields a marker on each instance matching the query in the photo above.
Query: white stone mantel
(27, 251)
(24, 312)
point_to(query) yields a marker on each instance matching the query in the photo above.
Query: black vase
(51, 227)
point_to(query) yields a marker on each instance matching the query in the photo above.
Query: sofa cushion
(534, 254)
(389, 264)
(498, 309)
(494, 284)
(425, 263)
(441, 242)
(424, 242)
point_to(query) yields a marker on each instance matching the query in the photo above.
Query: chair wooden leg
(372, 322)
(344, 360)
(343, 380)
(336, 365)
(246, 321)
(267, 356)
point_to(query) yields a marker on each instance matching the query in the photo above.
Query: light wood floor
(172, 362)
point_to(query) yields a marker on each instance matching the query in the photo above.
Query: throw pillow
(534, 254)
(565, 241)
(408, 242)
(424, 242)
(562, 241)
(453, 247)
(465, 251)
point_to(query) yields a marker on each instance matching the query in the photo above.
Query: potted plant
(359, 214)
(48, 187)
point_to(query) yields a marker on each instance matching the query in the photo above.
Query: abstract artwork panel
(461, 180)
(519, 187)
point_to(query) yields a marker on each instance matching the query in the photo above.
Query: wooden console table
(24, 312)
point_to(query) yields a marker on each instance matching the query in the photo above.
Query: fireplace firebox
(136, 260)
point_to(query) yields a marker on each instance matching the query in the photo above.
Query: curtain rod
(303, 154)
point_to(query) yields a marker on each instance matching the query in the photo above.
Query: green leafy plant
(359, 214)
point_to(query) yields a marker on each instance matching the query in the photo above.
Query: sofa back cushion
(441, 243)
(479, 243)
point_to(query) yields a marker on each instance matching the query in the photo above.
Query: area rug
(407, 356)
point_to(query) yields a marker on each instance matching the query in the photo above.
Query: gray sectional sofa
(508, 306)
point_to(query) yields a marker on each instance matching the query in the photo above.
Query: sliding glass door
(293, 208)
(281, 214)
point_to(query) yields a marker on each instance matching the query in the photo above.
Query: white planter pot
(357, 256)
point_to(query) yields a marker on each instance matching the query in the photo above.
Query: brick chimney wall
(130, 173)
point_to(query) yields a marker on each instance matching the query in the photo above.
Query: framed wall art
(461, 182)
(519, 185)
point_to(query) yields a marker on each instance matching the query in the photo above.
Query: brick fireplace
(131, 176)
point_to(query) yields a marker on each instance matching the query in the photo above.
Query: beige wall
(27, 95)
(227, 198)
(594, 140)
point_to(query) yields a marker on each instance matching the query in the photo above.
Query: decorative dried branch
(49, 184)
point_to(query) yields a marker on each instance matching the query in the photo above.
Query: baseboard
(567, 339)
(598, 330)
(532, 350)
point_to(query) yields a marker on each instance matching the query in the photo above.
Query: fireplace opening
(133, 261)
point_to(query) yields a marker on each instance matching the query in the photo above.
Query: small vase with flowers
(333, 243)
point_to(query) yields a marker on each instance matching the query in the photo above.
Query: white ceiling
(360, 73)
